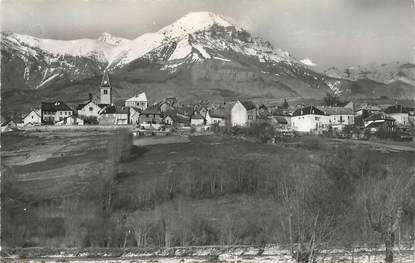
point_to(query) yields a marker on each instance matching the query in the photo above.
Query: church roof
(105, 82)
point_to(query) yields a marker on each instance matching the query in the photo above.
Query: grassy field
(58, 176)
(58, 163)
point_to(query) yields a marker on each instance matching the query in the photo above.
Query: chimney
(90, 96)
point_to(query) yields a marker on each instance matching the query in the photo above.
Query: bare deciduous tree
(382, 196)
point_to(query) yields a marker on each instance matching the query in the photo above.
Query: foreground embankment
(270, 253)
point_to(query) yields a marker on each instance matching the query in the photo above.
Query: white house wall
(32, 118)
(89, 110)
(308, 123)
(401, 118)
(239, 115)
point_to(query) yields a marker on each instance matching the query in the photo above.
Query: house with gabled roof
(89, 109)
(138, 101)
(339, 117)
(114, 115)
(151, 117)
(378, 118)
(399, 113)
(197, 120)
(216, 117)
(243, 113)
(309, 119)
(33, 118)
(377, 121)
(52, 112)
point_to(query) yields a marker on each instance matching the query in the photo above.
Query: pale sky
(329, 32)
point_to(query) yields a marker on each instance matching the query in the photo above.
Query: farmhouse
(52, 112)
(399, 113)
(89, 110)
(243, 113)
(33, 118)
(138, 101)
(216, 117)
(379, 121)
(151, 118)
(378, 118)
(338, 117)
(197, 120)
(114, 115)
(308, 119)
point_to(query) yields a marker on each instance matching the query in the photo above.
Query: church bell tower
(106, 90)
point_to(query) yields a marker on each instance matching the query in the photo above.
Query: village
(342, 119)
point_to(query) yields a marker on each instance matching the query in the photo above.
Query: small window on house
(105, 91)
(60, 112)
(90, 108)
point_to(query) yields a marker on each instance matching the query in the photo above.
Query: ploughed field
(64, 189)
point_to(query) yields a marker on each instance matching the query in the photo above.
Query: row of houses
(103, 112)
(138, 111)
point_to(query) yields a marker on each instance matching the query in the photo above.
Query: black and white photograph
(207, 131)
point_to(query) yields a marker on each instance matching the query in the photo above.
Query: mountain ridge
(201, 55)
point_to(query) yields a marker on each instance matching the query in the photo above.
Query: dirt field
(72, 157)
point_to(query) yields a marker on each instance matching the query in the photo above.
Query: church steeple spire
(106, 89)
(105, 82)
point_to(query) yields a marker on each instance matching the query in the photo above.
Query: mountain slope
(200, 56)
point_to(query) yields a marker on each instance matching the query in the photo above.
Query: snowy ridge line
(117, 52)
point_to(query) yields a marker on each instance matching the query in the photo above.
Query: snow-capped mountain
(43, 61)
(196, 36)
(384, 73)
(201, 55)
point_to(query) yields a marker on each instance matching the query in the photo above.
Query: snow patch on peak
(76, 48)
(112, 40)
(308, 62)
(193, 22)
(134, 49)
(182, 50)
